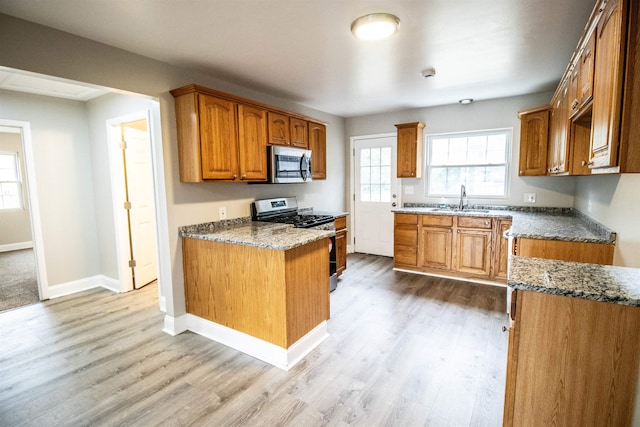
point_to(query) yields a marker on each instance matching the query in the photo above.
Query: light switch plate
(223, 212)
(408, 189)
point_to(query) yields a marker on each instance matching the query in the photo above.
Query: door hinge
(132, 263)
(354, 152)
(127, 205)
(354, 197)
(123, 145)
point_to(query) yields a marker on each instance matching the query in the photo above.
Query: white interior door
(376, 193)
(139, 183)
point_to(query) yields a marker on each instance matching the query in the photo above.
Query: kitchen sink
(458, 210)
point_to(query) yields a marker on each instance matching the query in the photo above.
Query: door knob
(394, 204)
(394, 196)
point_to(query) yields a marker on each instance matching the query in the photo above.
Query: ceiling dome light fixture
(466, 101)
(375, 26)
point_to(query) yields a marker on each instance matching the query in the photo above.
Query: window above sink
(479, 160)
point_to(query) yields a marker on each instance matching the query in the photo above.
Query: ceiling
(302, 50)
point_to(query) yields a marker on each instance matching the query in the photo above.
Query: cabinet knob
(487, 222)
(243, 177)
(235, 176)
(521, 172)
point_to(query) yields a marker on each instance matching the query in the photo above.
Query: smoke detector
(429, 72)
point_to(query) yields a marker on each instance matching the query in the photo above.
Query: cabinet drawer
(406, 219)
(341, 223)
(474, 222)
(406, 235)
(437, 220)
(405, 255)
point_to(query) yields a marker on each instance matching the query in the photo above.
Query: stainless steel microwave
(289, 165)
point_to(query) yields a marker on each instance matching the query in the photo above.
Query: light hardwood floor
(404, 350)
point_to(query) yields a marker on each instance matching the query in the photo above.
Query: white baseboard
(80, 285)
(255, 347)
(16, 246)
(175, 325)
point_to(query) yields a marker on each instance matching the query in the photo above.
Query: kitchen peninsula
(261, 288)
(573, 347)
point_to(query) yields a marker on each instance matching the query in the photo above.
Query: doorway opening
(133, 199)
(22, 265)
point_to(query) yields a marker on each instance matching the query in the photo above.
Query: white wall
(491, 114)
(613, 201)
(35, 48)
(15, 224)
(100, 110)
(63, 172)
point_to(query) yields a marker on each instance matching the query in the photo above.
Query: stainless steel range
(285, 210)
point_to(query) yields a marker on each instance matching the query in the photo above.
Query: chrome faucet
(463, 194)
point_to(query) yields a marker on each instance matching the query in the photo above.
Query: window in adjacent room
(10, 185)
(479, 160)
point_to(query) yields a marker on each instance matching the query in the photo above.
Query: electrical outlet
(530, 197)
(589, 206)
(223, 212)
(408, 189)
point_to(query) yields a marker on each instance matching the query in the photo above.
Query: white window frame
(18, 181)
(509, 142)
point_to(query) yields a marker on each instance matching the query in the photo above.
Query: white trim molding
(16, 246)
(98, 281)
(277, 356)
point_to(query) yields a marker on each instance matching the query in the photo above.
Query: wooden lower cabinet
(593, 253)
(341, 244)
(435, 248)
(405, 240)
(473, 251)
(459, 246)
(571, 362)
(274, 295)
(500, 257)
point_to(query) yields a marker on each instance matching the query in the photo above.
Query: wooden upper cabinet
(534, 140)
(298, 133)
(278, 128)
(223, 137)
(607, 87)
(252, 133)
(219, 143)
(318, 147)
(409, 153)
(585, 71)
(558, 152)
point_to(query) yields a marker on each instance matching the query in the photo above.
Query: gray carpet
(18, 283)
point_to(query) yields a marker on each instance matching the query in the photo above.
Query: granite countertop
(243, 231)
(618, 285)
(534, 223)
